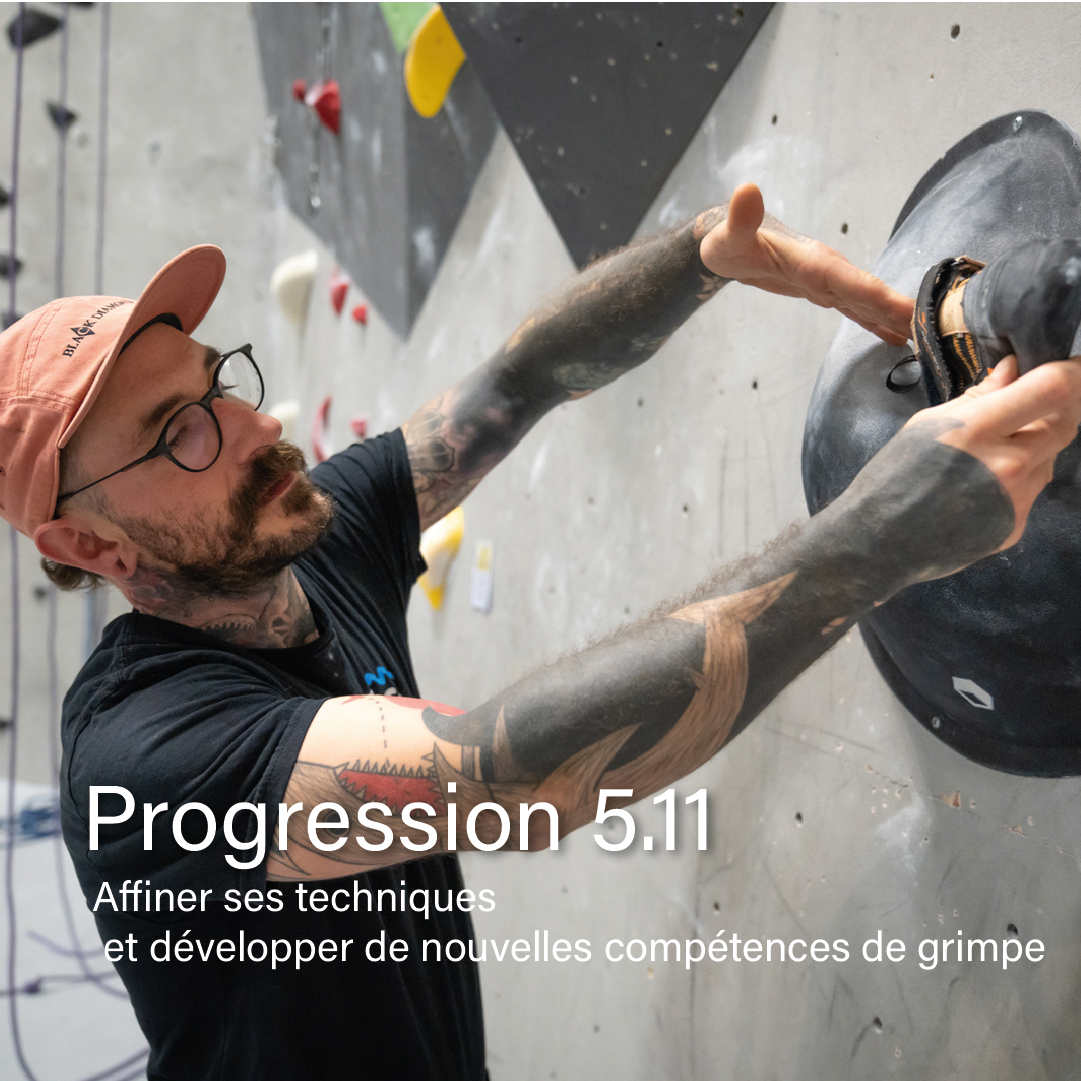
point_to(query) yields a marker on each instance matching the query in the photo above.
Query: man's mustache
(264, 472)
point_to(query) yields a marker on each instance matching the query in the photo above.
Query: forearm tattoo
(656, 700)
(609, 319)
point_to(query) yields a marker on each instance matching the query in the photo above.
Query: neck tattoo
(275, 616)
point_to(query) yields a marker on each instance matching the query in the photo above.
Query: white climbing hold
(291, 285)
(287, 412)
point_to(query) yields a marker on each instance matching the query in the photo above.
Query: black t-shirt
(175, 716)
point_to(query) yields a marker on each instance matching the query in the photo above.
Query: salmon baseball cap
(54, 362)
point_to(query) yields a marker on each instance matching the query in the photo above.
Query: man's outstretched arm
(654, 702)
(612, 317)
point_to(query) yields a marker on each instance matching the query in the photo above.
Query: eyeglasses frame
(161, 449)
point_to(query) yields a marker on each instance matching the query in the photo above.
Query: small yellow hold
(431, 62)
(439, 546)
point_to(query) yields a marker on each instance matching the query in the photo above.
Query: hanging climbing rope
(103, 150)
(13, 724)
(95, 601)
(21, 32)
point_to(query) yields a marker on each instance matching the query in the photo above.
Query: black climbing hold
(5, 196)
(987, 658)
(36, 25)
(5, 264)
(61, 116)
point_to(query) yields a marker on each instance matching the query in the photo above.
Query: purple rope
(16, 132)
(103, 149)
(9, 855)
(61, 160)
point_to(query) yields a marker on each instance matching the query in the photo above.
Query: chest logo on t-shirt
(383, 678)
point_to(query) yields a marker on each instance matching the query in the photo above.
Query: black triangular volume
(601, 100)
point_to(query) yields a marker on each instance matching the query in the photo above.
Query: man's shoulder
(156, 703)
(150, 666)
(365, 468)
(137, 649)
(375, 533)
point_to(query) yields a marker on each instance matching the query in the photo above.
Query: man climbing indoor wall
(131, 452)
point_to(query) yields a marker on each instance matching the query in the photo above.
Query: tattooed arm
(655, 701)
(611, 318)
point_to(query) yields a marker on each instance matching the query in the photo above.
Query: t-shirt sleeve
(378, 524)
(210, 735)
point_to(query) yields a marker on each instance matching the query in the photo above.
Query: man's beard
(229, 558)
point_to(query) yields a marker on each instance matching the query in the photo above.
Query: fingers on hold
(1006, 368)
(888, 334)
(1046, 437)
(1039, 393)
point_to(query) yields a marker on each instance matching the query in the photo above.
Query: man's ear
(73, 540)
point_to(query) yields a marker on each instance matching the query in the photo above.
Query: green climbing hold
(402, 19)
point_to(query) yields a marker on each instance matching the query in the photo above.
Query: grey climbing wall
(836, 814)
(385, 194)
(600, 100)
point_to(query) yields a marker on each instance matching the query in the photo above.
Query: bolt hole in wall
(844, 227)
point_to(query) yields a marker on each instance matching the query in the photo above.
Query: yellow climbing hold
(439, 546)
(431, 62)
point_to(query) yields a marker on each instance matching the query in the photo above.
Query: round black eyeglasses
(191, 437)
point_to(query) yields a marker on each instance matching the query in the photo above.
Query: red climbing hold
(360, 314)
(360, 427)
(300, 88)
(326, 100)
(339, 286)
